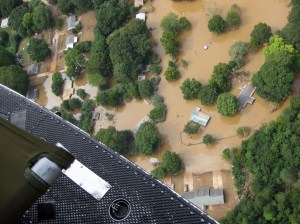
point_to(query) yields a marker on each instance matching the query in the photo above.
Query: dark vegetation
(57, 84)
(191, 128)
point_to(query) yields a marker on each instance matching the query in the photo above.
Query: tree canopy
(120, 141)
(208, 94)
(75, 62)
(110, 15)
(110, 97)
(217, 24)
(266, 172)
(38, 49)
(99, 63)
(172, 73)
(220, 77)
(6, 6)
(238, 51)
(172, 162)
(277, 44)
(15, 78)
(6, 58)
(57, 83)
(158, 113)
(227, 104)
(191, 128)
(233, 18)
(190, 89)
(41, 17)
(260, 34)
(147, 139)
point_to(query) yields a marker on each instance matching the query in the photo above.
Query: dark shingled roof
(150, 200)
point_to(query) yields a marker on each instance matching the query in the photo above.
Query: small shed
(71, 22)
(141, 16)
(154, 161)
(33, 69)
(138, 3)
(70, 41)
(199, 117)
(4, 23)
(205, 196)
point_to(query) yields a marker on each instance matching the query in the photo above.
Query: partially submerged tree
(158, 113)
(191, 128)
(227, 104)
(209, 139)
(217, 24)
(172, 162)
(57, 83)
(233, 18)
(260, 35)
(190, 89)
(208, 94)
(238, 52)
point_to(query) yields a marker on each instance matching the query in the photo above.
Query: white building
(4, 23)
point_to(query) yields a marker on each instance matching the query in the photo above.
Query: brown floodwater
(201, 158)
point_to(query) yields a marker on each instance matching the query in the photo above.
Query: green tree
(277, 44)
(191, 128)
(6, 58)
(75, 62)
(208, 94)
(68, 117)
(172, 162)
(273, 81)
(15, 78)
(66, 6)
(57, 83)
(41, 17)
(170, 23)
(209, 139)
(6, 6)
(71, 104)
(99, 63)
(220, 77)
(294, 14)
(147, 139)
(159, 172)
(156, 99)
(217, 24)
(98, 80)
(227, 104)
(110, 97)
(158, 113)
(4, 37)
(170, 43)
(110, 16)
(145, 88)
(27, 22)
(260, 35)
(185, 24)
(38, 49)
(16, 17)
(84, 46)
(233, 19)
(120, 141)
(291, 34)
(172, 73)
(155, 69)
(81, 93)
(226, 154)
(190, 89)
(238, 52)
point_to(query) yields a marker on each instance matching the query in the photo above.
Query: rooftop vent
(119, 209)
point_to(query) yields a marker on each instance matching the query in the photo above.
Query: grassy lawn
(23, 51)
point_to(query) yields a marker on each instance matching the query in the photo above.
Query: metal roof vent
(119, 209)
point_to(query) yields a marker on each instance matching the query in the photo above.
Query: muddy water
(200, 158)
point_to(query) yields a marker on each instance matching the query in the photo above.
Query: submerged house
(205, 196)
(199, 117)
(245, 96)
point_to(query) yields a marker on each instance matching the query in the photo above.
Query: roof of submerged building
(148, 200)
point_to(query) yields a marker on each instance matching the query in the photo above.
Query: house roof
(199, 117)
(205, 196)
(245, 95)
(141, 16)
(33, 69)
(150, 201)
(71, 39)
(71, 22)
(4, 23)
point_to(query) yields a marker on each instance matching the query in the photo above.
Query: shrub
(243, 131)
(159, 172)
(226, 154)
(209, 139)
(191, 128)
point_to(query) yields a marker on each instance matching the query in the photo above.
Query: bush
(208, 94)
(217, 24)
(159, 172)
(172, 162)
(191, 128)
(155, 69)
(81, 93)
(158, 113)
(57, 84)
(147, 139)
(145, 88)
(190, 89)
(156, 99)
(226, 154)
(243, 131)
(172, 73)
(209, 139)
(227, 104)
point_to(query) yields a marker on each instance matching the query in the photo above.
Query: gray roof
(71, 22)
(33, 69)
(150, 200)
(70, 39)
(205, 196)
(245, 95)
